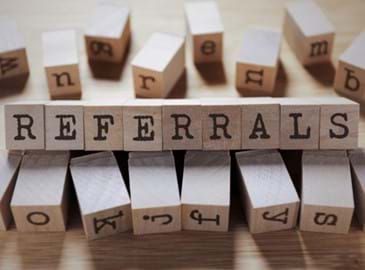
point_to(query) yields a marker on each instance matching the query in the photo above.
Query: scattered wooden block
(64, 125)
(308, 32)
(268, 195)
(258, 61)
(327, 196)
(13, 56)
(205, 193)
(156, 206)
(350, 74)
(61, 63)
(158, 65)
(108, 32)
(182, 127)
(102, 195)
(24, 125)
(9, 165)
(40, 199)
(206, 30)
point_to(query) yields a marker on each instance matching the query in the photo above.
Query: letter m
(319, 48)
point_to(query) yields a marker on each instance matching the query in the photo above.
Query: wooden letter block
(327, 196)
(40, 199)
(158, 65)
(350, 74)
(268, 195)
(182, 127)
(206, 30)
(24, 125)
(64, 125)
(9, 165)
(142, 122)
(205, 194)
(221, 122)
(257, 64)
(102, 195)
(108, 32)
(156, 206)
(61, 64)
(13, 56)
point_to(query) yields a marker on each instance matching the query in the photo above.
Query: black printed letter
(26, 126)
(223, 126)
(184, 126)
(103, 125)
(345, 128)
(65, 127)
(143, 131)
(259, 126)
(296, 134)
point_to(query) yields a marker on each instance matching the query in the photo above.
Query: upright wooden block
(205, 193)
(142, 121)
(308, 32)
(327, 196)
(13, 56)
(158, 65)
(260, 123)
(9, 165)
(350, 74)
(258, 61)
(24, 125)
(206, 30)
(102, 195)
(64, 125)
(61, 63)
(156, 206)
(40, 199)
(221, 123)
(182, 127)
(108, 32)
(268, 195)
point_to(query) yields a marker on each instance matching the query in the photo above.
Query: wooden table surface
(235, 249)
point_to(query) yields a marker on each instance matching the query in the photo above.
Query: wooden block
(327, 197)
(206, 30)
(103, 123)
(350, 74)
(258, 60)
(102, 195)
(299, 123)
(64, 125)
(142, 122)
(108, 32)
(205, 193)
(308, 32)
(156, 206)
(61, 63)
(13, 56)
(24, 125)
(158, 65)
(221, 123)
(182, 127)
(260, 123)
(9, 165)
(40, 199)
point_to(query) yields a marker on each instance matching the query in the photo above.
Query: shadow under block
(61, 63)
(102, 195)
(182, 127)
(40, 199)
(327, 197)
(308, 32)
(206, 30)
(205, 193)
(158, 65)
(156, 206)
(9, 165)
(268, 195)
(350, 74)
(258, 60)
(108, 32)
(24, 125)
(13, 56)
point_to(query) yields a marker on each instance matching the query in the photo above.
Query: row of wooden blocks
(35, 191)
(188, 124)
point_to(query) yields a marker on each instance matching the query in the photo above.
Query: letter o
(44, 216)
